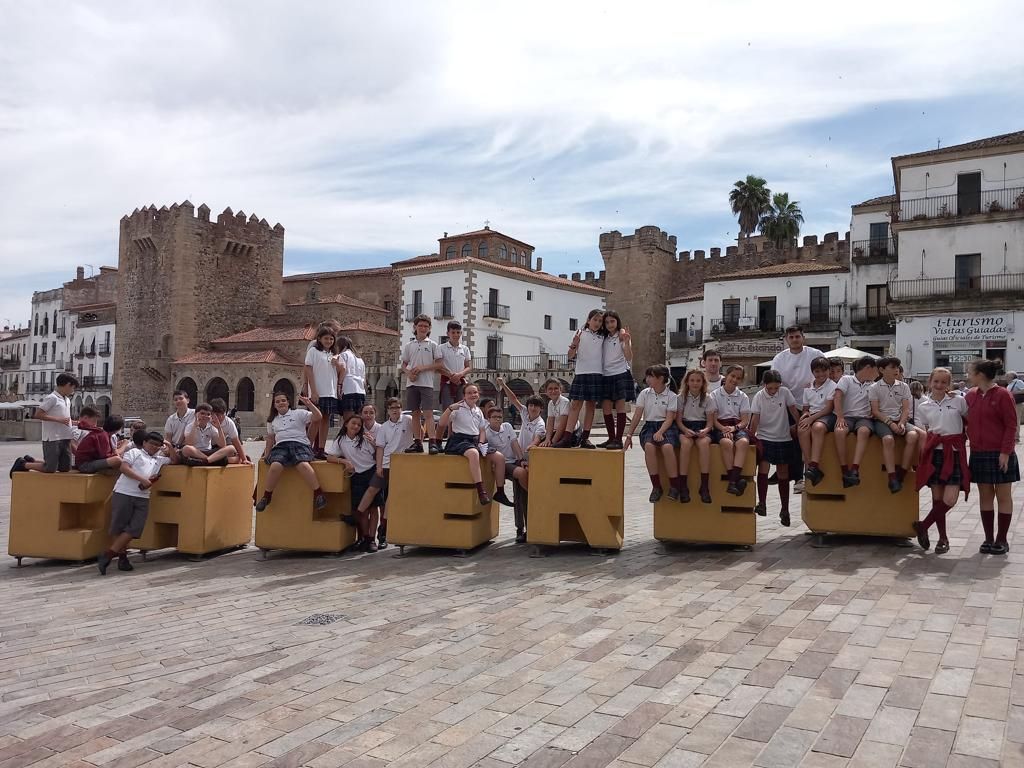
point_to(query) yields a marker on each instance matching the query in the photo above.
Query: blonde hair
(940, 370)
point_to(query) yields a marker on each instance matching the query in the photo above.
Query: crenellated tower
(184, 280)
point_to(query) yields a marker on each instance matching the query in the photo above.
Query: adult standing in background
(1015, 387)
(794, 363)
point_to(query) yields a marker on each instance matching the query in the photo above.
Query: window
(968, 193)
(524, 259)
(731, 312)
(514, 256)
(967, 273)
(46, 325)
(446, 303)
(387, 305)
(106, 339)
(503, 253)
(417, 303)
(680, 325)
(481, 251)
(106, 373)
(879, 232)
(450, 252)
(819, 304)
(467, 251)
(34, 351)
(547, 322)
(572, 323)
(877, 299)
(529, 295)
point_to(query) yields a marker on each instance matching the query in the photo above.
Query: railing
(10, 362)
(496, 311)
(443, 310)
(94, 382)
(40, 359)
(80, 352)
(412, 311)
(735, 326)
(522, 363)
(91, 351)
(952, 206)
(685, 339)
(104, 348)
(1010, 283)
(61, 333)
(68, 365)
(820, 318)
(870, 320)
(37, 388)
(881, 251)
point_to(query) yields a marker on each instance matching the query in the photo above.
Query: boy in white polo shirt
(853, 414)
(420, 362)
(890, 400)
(57, 429)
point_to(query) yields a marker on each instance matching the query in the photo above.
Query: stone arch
(245, 395)
(76, 407)
(217, 387)
(565, 384)
(284, 385)
(188, 385)
(487, 389)
(521, 388)
(88, 400)
(103, 405)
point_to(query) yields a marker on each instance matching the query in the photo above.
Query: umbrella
(846, 354)
(26, 403)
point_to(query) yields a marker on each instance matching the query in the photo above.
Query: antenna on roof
(938, 143)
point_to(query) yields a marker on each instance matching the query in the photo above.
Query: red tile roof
(369, 272)
(340, 298)
(219, 357)
(776, 270)
(688, 297)
(1003, 140)
(877, 200)
(485, 233)
(427, 257)
(362, 325)
(519, 272)
(271, 333)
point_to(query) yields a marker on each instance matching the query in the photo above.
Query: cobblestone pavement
(861, 655)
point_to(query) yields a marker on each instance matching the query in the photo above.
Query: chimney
(445, 234)
(540, 264)
(80, 273)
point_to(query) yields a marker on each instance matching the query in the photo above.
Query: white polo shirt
(559, 407)
(614, 359)
(455, 358)
(467, 420)
(202, 437)
(394, 437)
(657, 405)
(796, 368)
(290, 427)
(325, 374)
(814, 398)
(890, 398)
(856, 402)
(589, 353)
(529, 431)
(361, 453)
(176, 426)
(942, 418)
(691, 408)
(773, 414)
(56, 404)
(418, 354)
(142, 464)
(501, 440)
(354, 382)
(729, 405)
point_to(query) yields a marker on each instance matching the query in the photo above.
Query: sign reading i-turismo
(970, 328)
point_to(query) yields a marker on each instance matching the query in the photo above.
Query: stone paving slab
(863, 654)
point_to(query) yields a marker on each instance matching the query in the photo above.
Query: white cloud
(376, 126)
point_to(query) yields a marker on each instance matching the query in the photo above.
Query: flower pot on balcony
(995, 206)
(858, 252)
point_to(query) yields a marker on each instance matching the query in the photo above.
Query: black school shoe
(741, 486)
(985, 548)
(999, 548)
(784, 517)
(587, 444)
(922, 535)
(942, 547)
(102, 563)
(895, 486)
(501, 498)
(814, 475)
(416, 447)
(705, 496)
(520, 537)
(760, 510)
(433, 448)
(18, 466)
(850, 479)
(655, 496)
(124, 564)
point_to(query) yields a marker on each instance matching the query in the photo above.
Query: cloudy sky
(368, 129)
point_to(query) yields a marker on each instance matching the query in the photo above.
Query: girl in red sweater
(991, 428)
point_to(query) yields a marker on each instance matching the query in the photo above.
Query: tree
(781, 223)
(750, 200)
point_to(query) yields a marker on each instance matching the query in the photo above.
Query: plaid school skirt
(775, 453)
(620, 387)
(984, 466)
(588, 387)
(955, 476)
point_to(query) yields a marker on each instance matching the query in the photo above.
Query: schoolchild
(57, 429)
(394, 436)
(177, 423)
(322, 368)
(853, 414)
(230, 429)
(94, 453)
(616, 356)
(836, 370)
(587, 349)
(770, 412)
(944, 466)
(817, 419)
(456, 364)
(205, 444)
(729, 410)
(371, 431)
(370, 426)
(468, 425)
(421, 359)
(694, 427)
(352, 373)
(657, 406)
(890, 399)
(502, 452)
(991, 429)
(129, 503)
(288, 445)
(557, 413)
(357, 454)
(916, 393)
(531, 435)
(711, 361)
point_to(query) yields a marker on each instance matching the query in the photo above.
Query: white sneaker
(798, 486)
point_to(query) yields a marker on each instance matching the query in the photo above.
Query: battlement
(648, 239)
(587, 278)
(150, 217)
(810, 249)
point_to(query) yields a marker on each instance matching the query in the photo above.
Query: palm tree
(750, 200)
(781, 223)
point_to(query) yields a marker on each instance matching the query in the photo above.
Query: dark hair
(273, 397)
(392, 401)
(139, 437)
(218, 405)
(491, 411)
(886, 362)
(771, 376)
(64, 379)
(821, 364)
(421, 319)
(342, 343)
(987, 368)
(618, 321)
(534, 400)
(454, 325)
(916, 389)
(711, 353)
(181, 392)
(794, 329)
(865, 362)
(835, 363)
(88, 411)
(344, 430)
(730, 368)
(482, 404)
(322, 331)
(684, 388)
(659, 371)
(549, 382)
(113, 423)
(153, 437)
(204, 408)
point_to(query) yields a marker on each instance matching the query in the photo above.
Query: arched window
(245, 395)
(467, 251)
(46, 324)
(524, 259)
(218, 388)
(187, 385)
(450, 252)
(481, 251)
(285, 385)
(503, 253)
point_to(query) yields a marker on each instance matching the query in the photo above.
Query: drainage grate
(322, 619)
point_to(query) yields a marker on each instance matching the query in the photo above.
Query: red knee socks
(609, 424)
(762, 487)
(784, 494)
(656, 482)
(1004, 528)
(620, 425)
(679, 482)
(704, 479)
(939, 510)
(988, 519)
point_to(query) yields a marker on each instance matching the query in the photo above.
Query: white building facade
(958, 220)
(14, 355)
(47, 346)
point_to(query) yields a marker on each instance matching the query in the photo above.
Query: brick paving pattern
(862, 655)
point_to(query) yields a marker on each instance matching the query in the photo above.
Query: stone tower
(184, 280)
(640, 272)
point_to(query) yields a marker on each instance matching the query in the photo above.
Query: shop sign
(975, 327)
(764, 348)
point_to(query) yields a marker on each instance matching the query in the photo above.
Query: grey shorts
(856, 422)
(95, 467)
(451, 393)
(882, 429)
(420, 398)
(128, 514)
(57, 455)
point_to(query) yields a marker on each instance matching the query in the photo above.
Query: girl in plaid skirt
(991, 428)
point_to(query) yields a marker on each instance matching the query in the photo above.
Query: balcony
(38, 388)
(444, 310)
(103, 349)
(412, 311)
(685, 339)
(820, 318)
(968, 291)
(874, 251)
(80, 353)
(740, 326)
(95, 382)
(91, 351)
(10, 362)
(496, 312)
(988, 201)
(870, 320)
(68, 365)
(522, 363)
(61, 333)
